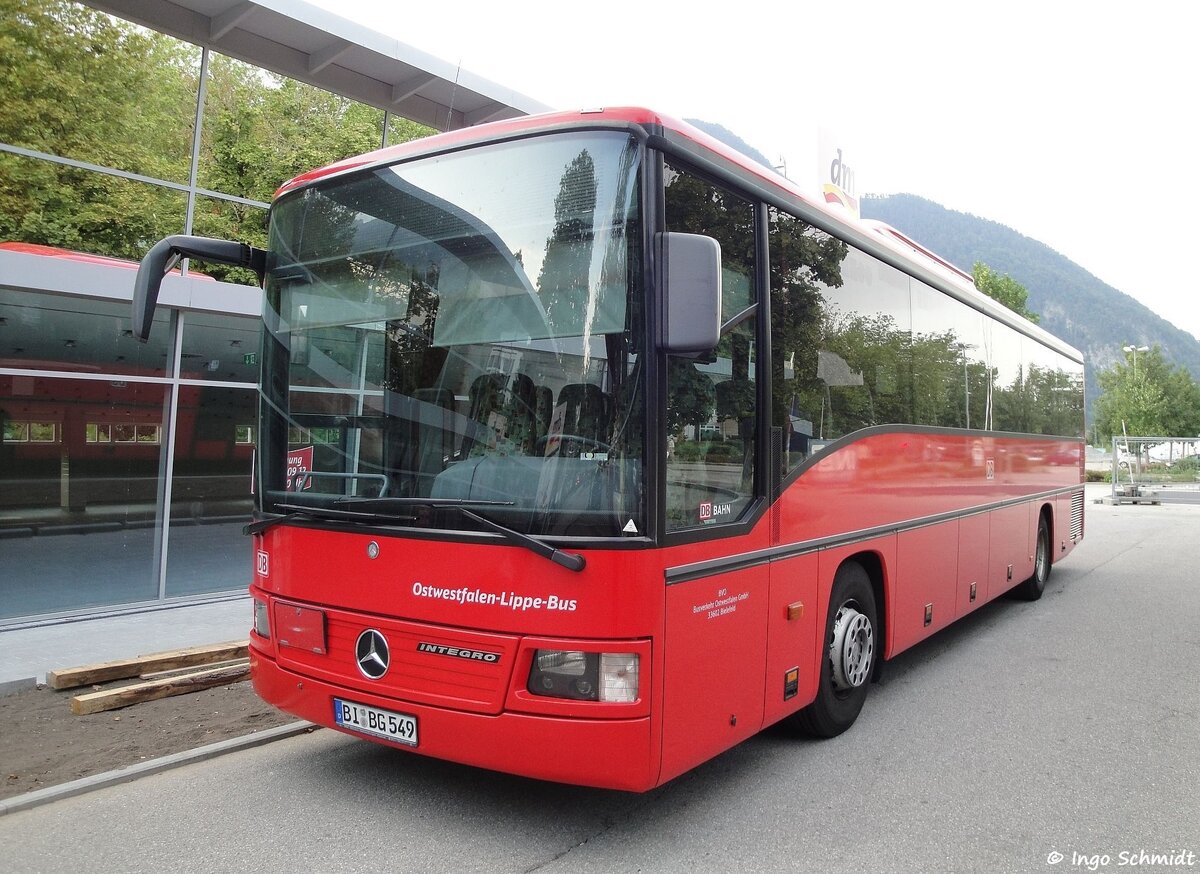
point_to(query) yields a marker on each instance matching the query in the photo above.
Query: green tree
(80, 84)
(76, 83)
(1148, 397)
(1004, 289)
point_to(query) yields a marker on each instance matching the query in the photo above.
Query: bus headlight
(584, 676)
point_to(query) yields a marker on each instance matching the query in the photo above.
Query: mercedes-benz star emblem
(371, 654)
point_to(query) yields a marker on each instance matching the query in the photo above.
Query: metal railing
(1155, 470)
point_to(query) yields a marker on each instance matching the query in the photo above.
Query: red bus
(589, 448)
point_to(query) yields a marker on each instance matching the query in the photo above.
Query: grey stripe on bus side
(711, 567)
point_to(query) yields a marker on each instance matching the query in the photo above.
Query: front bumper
(605, 753)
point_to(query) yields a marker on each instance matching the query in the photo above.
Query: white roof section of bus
(296, 39)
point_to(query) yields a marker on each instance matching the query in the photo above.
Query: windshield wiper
(377, 504)
(570, 560)
(298, 511)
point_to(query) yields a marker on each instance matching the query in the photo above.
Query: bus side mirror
(165, 254)
(690, 267)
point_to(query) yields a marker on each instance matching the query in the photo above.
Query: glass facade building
(125, 468)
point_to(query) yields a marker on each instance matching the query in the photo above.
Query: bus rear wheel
(1032, 588)
(849, 653)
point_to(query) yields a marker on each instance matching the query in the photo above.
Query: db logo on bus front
(263, 564)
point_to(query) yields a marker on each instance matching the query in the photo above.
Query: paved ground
(1054, 736)
(67, 571)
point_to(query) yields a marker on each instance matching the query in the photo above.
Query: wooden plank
(114, 699)
(175, 672)
(85, 675)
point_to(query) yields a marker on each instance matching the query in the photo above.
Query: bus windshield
(462, 330)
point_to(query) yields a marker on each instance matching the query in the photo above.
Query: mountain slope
(729, 138)
(1089, 314)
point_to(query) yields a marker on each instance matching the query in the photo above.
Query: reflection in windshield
(857, 343)
(463, 327)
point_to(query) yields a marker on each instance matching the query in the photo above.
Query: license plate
(398, 727)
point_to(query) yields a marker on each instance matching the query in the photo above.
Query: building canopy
(312, 45)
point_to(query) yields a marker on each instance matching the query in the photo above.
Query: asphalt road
(1026, 732)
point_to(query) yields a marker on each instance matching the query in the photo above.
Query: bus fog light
(619, 677)
(262, 620)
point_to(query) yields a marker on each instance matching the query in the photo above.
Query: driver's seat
(586, 413)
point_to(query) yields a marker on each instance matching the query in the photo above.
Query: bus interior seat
(520, 421)
(483, 399)
(586, 415)
(433, 431)
(543, 412)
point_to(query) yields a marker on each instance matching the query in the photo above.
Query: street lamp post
(1135, 350)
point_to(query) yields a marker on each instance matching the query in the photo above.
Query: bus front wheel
(848, 656)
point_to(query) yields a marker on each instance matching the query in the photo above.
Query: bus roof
(527, 124)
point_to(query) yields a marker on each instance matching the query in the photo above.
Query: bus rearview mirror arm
(166, 253)
(690, 267)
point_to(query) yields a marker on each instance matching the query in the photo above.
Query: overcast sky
(1074, 123)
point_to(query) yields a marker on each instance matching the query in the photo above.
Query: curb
(11, 687)
(154, 766)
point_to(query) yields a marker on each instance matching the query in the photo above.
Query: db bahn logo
(709, 510)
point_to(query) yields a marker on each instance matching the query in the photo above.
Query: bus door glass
(712, 400)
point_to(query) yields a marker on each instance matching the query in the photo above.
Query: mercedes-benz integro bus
(589, 447)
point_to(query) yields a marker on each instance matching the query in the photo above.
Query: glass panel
(1009, 406)
(862, 366)
(712, 404)
(84, 211)
(805, 263)
(1055, 387)
(78, 516)
(210, 494)
(84, 85)
(463, 327)
(220, 347)
(949, 368)
(229, 220)
(844, 352)
(261, 129)
(57, 332)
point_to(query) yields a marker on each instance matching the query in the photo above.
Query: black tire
(845, 675)
(1032, 588)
